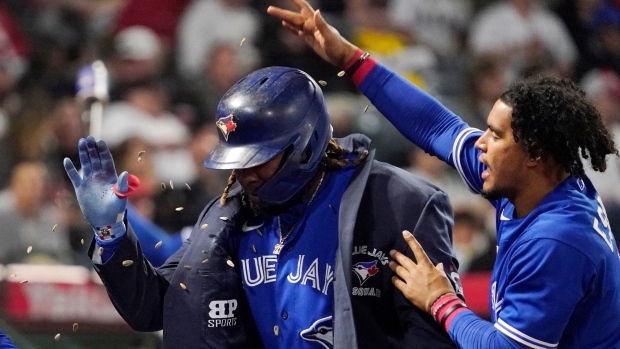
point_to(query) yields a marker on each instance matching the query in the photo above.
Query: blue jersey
(291, 293)
(556, 279)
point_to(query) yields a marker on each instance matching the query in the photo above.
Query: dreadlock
(231, 180)
(334, 158)
(552, 117)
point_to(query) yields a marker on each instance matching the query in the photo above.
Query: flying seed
(82, 241)
(259, 232)
(13, 275)
(141, 152)
(322, 83)
(229, 262)
(253, 248)
(188, 187)
(366, 108)
(171, 184)
(341, 73)
(157, 245)
(183, 286)
(23, 282)
(57, 336)
(242, 42)
(224, 218)
(75, 326)
(205, 260)
(179, 209)
(54, 227)
(187, 267)
(127, 263)
(163, 186)
(100, 251)
(204, 226)
(29, 249)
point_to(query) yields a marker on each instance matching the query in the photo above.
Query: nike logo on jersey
(245, 227)
(502, 217)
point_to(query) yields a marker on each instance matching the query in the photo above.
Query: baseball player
(556, 280)
(296, 255)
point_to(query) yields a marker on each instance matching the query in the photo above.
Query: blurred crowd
(170, 61)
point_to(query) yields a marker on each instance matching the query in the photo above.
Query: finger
(403, 260)
(293, 29)
(122, 183)
(93, 153)
(399, 284)
(87, 169)
(418, 251)
(399, 270)
(107, 162)
(320, 24)
(289, 17)
(73, 174)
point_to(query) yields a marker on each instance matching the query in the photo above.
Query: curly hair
(334, 158)
(552, 117)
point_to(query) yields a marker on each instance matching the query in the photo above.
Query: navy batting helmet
(269, 111)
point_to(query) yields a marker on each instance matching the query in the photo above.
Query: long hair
(552, 117)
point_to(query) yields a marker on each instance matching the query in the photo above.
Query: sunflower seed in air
(157, 245)
(127, 262)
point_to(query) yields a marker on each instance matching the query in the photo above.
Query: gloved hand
(102, 195)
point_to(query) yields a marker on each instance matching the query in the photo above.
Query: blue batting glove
(95, 189)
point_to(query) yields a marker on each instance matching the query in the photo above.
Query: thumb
(320, 22)
(439, 267)
(126, 184)
(122, 186)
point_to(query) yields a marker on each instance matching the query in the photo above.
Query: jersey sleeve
(425, 121)
(546, 280)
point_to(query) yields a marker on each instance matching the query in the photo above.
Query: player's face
(252, 179)
(505, 159)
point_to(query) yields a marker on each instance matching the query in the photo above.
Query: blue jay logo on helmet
(226, 125)
(275, 109)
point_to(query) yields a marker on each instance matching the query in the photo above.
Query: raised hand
(309, 25)
(421, 282)
(95, 189)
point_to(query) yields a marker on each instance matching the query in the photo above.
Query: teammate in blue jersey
(296, 255)
(556, 280)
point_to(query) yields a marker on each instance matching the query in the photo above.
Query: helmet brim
(224, 157)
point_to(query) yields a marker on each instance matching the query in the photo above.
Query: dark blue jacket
(379, 203)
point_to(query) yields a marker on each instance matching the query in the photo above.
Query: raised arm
(310, 26)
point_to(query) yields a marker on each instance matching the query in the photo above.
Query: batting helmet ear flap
(265, 113)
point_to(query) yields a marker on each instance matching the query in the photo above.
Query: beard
(491, 194)
(261, 210)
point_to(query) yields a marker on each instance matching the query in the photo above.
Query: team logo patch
(365, 270)
(321, 331)
(227, 125)
(105, 233)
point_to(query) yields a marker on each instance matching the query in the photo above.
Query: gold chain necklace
(278, 247)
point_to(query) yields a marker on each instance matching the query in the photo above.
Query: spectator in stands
(144, 112)
(473, 245)
(207, 22)
(526, 34)
(33, 229)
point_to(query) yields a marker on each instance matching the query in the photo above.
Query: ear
(533, 161)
